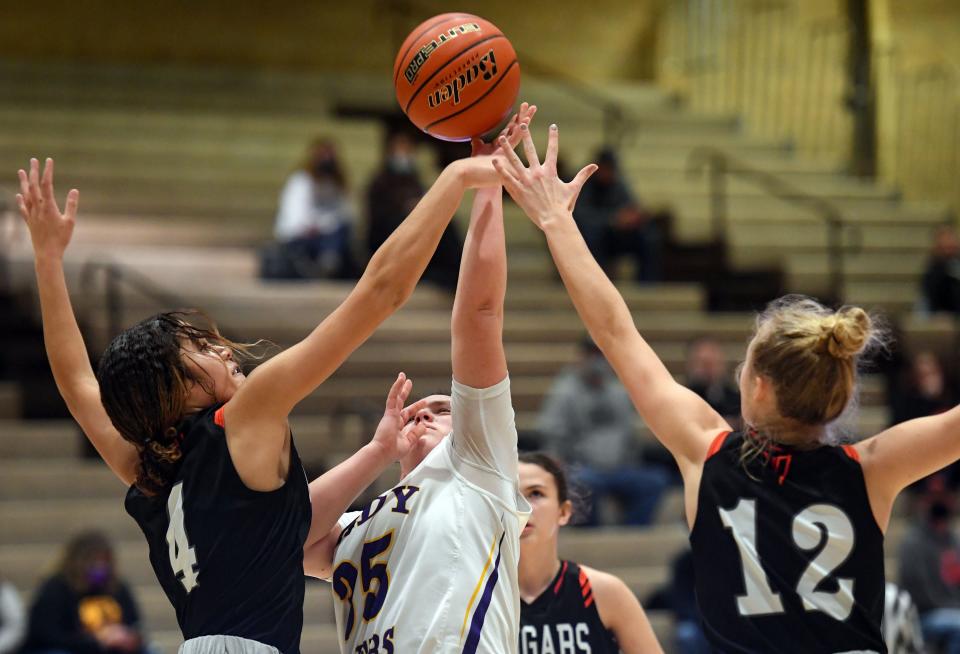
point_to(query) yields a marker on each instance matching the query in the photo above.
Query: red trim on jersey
(587, 601)
(218, 417)
(563, 571)
(717, 443)
(852, 452)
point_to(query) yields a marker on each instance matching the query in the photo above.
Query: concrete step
(47, 439)
(9, 400)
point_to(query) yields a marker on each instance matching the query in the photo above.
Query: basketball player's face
(220, 376)
(437, 421)
(547, 513)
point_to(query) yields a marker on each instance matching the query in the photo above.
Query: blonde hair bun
(846, 333)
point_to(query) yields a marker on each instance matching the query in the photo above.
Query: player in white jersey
(431, 565)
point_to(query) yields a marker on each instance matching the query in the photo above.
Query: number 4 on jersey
(183, 559)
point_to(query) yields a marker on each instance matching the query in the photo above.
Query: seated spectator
(929, 569)
(392, 194)
(13, 619)
(614, 224)
(85, 608)
(709, 377)
(941, 279)
(924, 391)
(588, 417)
(315, 221)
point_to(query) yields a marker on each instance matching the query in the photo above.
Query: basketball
(456, 76)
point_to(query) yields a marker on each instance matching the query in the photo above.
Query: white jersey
(431, 565)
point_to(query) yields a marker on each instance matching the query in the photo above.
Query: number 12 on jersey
(818, 524)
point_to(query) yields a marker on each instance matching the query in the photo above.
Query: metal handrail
(116, 276)
(721, 165)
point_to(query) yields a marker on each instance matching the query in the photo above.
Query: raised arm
(256, 417)
(50, 232)
(905, 453)
(681, 420)
(477, 322)
(484, 432)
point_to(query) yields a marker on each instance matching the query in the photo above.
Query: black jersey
(230, 559)
(787, 554)
(564, 619)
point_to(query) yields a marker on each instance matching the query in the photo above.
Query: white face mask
(401, 163)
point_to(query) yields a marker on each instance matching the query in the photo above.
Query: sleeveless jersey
(564, 619)
(230, 559)
(787, 554)
(431, 565)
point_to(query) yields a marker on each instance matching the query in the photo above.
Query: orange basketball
(456, 76)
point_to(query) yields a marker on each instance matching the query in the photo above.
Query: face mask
(401, 163)
(98, 575)
(595, 370)
(324, 168)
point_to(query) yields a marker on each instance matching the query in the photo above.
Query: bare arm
(318, 556)
(333, 492)
(50, 232)
(256, 417)
(905, 453)
(621, 613)
(680, 419)
(477, 324)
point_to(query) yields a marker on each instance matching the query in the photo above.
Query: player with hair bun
(564, 606)
(787, 527)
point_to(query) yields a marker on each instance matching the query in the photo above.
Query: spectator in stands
(85, 608)
(315, 221)
(709, 377)
(925, 390)
(614, 223)
(941, 279)
(13, 619)
(929, 569)
(392, 194)
(588, 417)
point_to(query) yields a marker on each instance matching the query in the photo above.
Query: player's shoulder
(605, 584)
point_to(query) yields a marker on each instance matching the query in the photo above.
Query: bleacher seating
(179, 173)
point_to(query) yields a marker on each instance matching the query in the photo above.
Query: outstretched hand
(50, 230)
(390, 434)
(511, 132)
(478, 170)
(537, 188)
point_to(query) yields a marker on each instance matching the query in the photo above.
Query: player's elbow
(388, 289)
